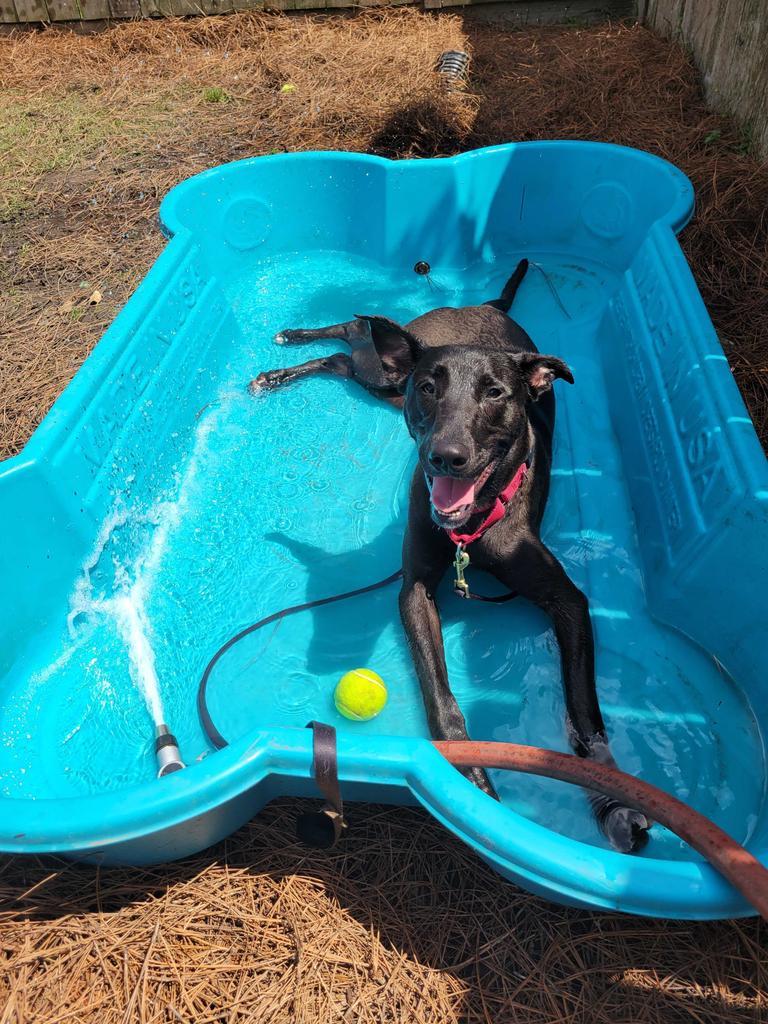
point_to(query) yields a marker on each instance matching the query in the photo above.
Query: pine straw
(401, 923)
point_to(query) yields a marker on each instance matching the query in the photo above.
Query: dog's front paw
(288, 337)
(264, 381)
(625, 828)
(479, 777)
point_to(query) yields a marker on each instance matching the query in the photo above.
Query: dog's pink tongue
(448, 494)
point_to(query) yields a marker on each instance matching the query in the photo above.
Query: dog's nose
(448, 457)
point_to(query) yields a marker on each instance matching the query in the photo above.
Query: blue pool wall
(695, 468)
(519, 199)
(116, 433)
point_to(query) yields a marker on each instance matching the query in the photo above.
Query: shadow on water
(330, 573)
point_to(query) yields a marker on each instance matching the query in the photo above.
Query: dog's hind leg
(338, 364)
(354, 332)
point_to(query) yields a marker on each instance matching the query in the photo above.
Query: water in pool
(302, 493)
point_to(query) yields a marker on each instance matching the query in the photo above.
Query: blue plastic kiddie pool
(160, 508)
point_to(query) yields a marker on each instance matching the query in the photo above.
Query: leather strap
(325, 827)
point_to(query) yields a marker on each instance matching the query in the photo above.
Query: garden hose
(742, 870)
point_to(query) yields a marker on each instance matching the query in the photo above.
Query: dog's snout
(448, 457)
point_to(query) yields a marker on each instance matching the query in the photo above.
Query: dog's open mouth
(454, 499)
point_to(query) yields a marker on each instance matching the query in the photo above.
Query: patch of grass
(711, 137)
(11, 207)
(215, 94)
(46, 133)
(746, 146)
(40, 135)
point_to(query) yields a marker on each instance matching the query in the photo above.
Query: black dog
(479, 404)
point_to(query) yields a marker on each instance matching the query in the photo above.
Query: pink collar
(498, 509)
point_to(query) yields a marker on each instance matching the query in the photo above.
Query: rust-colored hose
(735, 863)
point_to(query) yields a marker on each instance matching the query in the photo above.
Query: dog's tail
(510, 288)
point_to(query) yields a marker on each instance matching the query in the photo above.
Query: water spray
(134, 626)
(167, 751)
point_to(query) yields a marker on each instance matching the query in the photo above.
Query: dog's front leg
(352, 331)
(535, 573)
(421, 620)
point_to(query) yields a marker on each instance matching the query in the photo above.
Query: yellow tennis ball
(360, 695)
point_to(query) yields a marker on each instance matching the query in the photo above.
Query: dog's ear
(540, 371)
(397, 348)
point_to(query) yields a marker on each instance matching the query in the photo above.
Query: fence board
(222, 7)
(31, 10)
(125, 8)
(8, 14)
(666, 16)
(701, 25)
(64, 10)
(181, 8)
(532, 11)
(94, 10)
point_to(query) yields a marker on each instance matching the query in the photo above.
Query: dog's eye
(427, 387)
(494, 393)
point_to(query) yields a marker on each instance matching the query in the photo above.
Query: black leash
(470, 595)
(206, 721)
(322, 828)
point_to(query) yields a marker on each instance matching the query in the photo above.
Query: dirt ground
(401, 923)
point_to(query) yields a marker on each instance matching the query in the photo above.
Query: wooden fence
(729, 42)
(13, 12)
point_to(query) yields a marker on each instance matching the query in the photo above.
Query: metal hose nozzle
(167, 752)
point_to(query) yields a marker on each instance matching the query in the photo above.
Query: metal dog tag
(460, 563)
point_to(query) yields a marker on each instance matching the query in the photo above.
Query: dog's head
(467, 410)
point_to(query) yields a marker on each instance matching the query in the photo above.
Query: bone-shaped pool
(160, 508)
